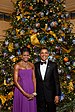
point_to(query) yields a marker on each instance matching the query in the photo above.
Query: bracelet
(34, 93)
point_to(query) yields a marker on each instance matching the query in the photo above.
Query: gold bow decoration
(10, 47)
(3, 99)
(65, 50)
(34, 40)
(70, 86)
(6, 98)
(10, 95)
(53, 34)
(18, 18)
(40, 1)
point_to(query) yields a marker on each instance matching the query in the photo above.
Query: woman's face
(25, 56)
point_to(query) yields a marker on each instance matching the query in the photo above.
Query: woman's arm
(34, 81)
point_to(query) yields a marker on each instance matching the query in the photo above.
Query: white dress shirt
(43, 69)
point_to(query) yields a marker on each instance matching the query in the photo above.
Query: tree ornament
(30, 8)
(3, 99)
(67, 63)
(18, 52)
(70, 86)
(58, 50)
(5, 53)
(47, 12)
(34, 30)
(62, 96)
(46, 26)
(6, 42)
(53, 34)
(42, 14)
(14, 59)
(18, 18)
(59, 71)
(16, 45)
(34, 40)
(10, 47)
(54, 24)
(73, 41)
(40, 1)
(73, 62)
(22, 32)
(12, 56)
(68, 76)
(51, 40)
(48, 29)
(10, 95)
(66, 59)
(46, 2)
(42, 41)
(51, 57)
(37, 25)
(17, 31)
(5, 82)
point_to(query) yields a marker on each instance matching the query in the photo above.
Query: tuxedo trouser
(44, 106)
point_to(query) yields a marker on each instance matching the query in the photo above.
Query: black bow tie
(43, 62)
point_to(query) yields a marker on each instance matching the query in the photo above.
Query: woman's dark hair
(25, 49)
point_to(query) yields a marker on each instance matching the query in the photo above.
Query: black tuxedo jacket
(49, 87)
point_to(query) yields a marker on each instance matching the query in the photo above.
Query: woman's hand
(30, 96)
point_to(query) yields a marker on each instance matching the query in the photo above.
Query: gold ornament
(18, 18)
(10, 47)
(59, 20)
(20, 4)
(53, 34)
(4, 81)
(65, 50)
(26, 13)
(17, 32)
(70, 87)
(63, 34)
(46, 26)
(14, 59)
(34, 40)
(57, 56)
(3, 99)
(39, 1)
(10, 95)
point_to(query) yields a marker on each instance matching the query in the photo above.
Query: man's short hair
(44, 48)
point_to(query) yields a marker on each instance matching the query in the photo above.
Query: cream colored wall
(70, 5)
(3, 26)
(73, 21)
(6, 6)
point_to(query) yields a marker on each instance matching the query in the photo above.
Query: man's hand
(56, 100)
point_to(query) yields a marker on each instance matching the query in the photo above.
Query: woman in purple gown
(25, 85)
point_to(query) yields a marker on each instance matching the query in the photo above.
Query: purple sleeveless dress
(20, 102)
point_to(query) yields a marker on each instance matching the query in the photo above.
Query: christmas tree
(38, 23)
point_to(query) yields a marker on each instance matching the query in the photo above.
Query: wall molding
(70, 5)
(6, 9)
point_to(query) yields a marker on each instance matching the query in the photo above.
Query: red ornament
(66, 59)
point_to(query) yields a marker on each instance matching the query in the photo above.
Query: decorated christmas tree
(38, 23)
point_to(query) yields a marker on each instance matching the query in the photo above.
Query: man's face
(44, 54)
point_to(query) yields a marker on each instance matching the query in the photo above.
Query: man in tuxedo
(47, 83)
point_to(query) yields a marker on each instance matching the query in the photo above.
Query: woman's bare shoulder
(31, 64)
(17, 65)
